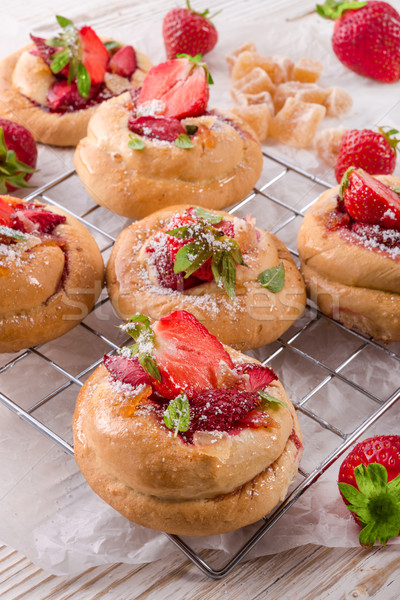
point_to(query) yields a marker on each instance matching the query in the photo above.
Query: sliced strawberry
(127, 370)
(43, 50)
(179, 85)
(368, 200)
(161, 128)
(33, 219)
(95, 55)
(259, 377)
(6, 210)
(123, 62)
(187, 355)
(256, 418)
(63, 95)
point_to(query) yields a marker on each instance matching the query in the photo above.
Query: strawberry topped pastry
(349, 245)
(54, 85)
(366, 37)
(182, 434)
(161, 144)
(369, 480)
(238, 280)
(51, 273)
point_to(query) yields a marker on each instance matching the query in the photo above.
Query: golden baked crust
(254, 318)
(356, 284)
(46, 290)
(220, 169)
(22, 74)
(217, 484)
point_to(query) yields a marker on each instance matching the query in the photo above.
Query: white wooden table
(307, 572)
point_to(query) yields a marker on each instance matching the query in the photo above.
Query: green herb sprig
(273, 279)
(140, 329)
(267, 400)
(177, 414)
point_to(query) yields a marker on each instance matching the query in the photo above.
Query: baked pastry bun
(51, 273)
(54, 95)
(349, 245)
(200, 440)
(238, 280)
(148, 150)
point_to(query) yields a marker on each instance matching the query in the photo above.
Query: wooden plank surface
(305, 573)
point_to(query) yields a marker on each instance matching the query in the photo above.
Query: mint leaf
(135, 143)
(140, 329)
(273, 279)
(267, 400)
(177, 414)
(204, 214)
(228, 274)
(83, 80)
(63, 22)
(183, 141)
(191, 129)
(181, 233)
(60, 60)
(12, 233)
(112, 45)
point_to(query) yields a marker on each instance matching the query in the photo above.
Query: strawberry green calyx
(208, 243)
(196, 60)
(376, 503)
(205, 14)
(344, 184)
(332, 9)
(389, 136)
(12, 170)
(70, 53)
(140, 329)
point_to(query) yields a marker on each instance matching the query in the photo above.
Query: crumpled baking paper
(47, 511)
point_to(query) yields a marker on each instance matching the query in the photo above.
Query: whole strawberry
(366, 37)
(18, 155)
(188, 32)
(368, 200)
(369, 482)
(373, 151)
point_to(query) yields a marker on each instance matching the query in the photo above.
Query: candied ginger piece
(257, 116)
(232, 56)
(243, 99)
(277, 67)
(338, 102)
(257, 80)
(296, 123)
(281, 69)
(307, 70)
(327, 142)
(307, 92)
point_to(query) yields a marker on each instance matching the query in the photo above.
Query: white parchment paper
(47, 511)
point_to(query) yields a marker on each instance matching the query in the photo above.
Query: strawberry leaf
(332, 9)
(177, 414)
(273, 279)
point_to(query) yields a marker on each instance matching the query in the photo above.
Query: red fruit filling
(161, 128)
(28, 218)
(123, 62)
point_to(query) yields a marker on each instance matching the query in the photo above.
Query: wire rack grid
(280, 210)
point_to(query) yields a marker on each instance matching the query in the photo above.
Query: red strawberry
(42, 49)
(63, 96)
(187, 355)
(161, 128)
(188, 32)
(123, 62)
(30, 219)
(366, 39)
(127, 370)
(7, 209)
(259, 377)
(369, 482)
(179, 86)
(370, 201)
(95, 55)
(18, 155)
(373, 151)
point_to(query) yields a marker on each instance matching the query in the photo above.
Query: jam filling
(372, 236)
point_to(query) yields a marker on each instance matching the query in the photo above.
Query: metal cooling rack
(268, 200)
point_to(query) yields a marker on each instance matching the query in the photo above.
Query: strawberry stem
(388, 135)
